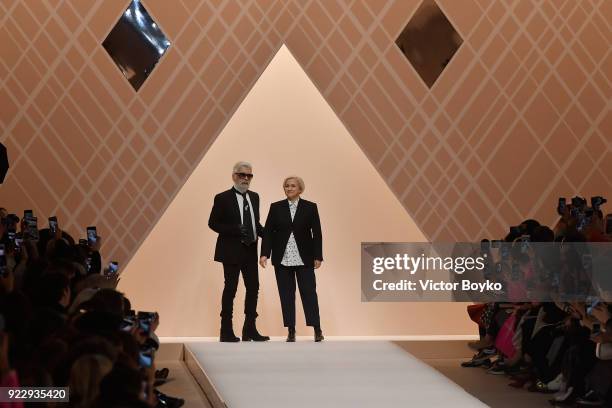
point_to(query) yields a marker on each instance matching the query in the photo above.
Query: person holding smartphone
(235, 217)
(293, 236)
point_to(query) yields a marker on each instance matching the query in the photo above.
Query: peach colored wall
(520, 115)
(284, 127)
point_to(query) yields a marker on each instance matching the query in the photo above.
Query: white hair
(241, 164)
(298, 180)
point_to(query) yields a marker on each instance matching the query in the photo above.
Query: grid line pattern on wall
(520, 116)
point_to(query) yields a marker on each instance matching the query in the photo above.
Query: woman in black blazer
(293, 235)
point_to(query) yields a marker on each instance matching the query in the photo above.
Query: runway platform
(328, 374)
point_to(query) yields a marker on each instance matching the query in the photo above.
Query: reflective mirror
(429, 41)
(136, 43)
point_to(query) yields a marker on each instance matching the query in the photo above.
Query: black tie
(247, 221)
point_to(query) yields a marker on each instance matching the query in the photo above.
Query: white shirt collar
(293, 202)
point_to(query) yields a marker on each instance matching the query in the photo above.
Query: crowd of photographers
(63, 324)
(561, 346)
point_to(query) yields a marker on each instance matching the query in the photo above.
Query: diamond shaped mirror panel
(136, 43)
(429, 41)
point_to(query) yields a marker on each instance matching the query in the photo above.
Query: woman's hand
(263, 261)
(317, 264)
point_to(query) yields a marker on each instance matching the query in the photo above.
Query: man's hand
(263, 261)
(317, 263)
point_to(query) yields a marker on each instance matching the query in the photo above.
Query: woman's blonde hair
(298, 180)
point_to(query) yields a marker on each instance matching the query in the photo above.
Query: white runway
(328, 374)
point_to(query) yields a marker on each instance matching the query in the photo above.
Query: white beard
(240, 188)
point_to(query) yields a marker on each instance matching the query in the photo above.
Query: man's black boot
(250, 333)
(227, 332)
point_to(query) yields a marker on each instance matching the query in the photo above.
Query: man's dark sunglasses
(244, 175)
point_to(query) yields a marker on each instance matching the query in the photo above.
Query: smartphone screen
(113, 267)
(28, 214)
(127, 324)
(144, 323)
(53, 224)
(92, 235)
(145, 358)
(32, 228)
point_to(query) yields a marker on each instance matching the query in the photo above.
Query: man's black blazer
(306, 228)
(225, 220)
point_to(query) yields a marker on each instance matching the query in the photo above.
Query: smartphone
(561, 206)
(144, 323)
(127, 324)
(609, 224)
(145, 358)
(53, 224)
(92, 236)
(32, 228)
(28, 214)
(3, 267)
(113, 267)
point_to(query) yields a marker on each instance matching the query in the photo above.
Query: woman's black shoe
(318, 334)
(291, 335)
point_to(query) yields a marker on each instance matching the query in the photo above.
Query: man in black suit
(293, 235)
(235, 217)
